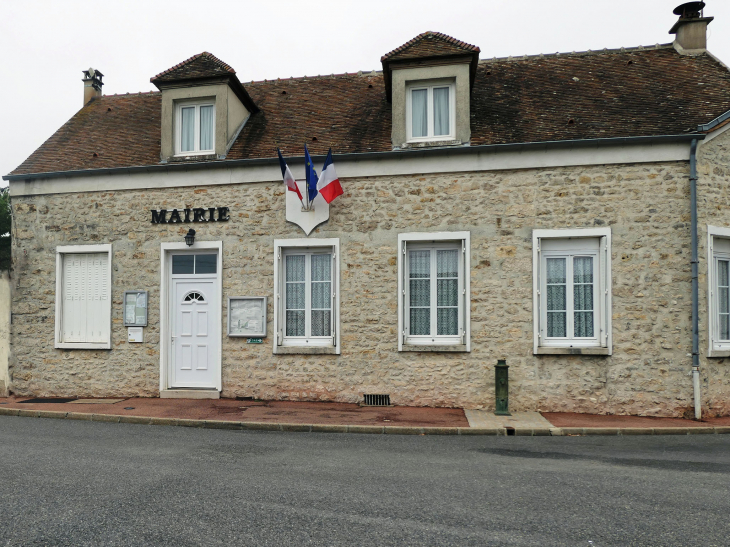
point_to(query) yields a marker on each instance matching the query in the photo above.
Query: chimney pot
(691, 28)
(92, 84)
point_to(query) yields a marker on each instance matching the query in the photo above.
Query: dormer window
(430, 112)
(195, 124)
(428, 80)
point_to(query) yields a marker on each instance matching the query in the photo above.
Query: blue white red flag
(289, 181)
(310, 175)
(329, 184)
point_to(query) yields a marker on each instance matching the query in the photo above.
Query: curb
(366, 429)
(583, 431)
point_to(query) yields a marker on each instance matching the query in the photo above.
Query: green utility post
(501, 388)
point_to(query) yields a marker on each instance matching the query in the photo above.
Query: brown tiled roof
(347, 112)
(111, 131)
(638, 92)
(430, 44)
(202, 65)
(641, 92)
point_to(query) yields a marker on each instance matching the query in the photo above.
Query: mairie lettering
(196, 214)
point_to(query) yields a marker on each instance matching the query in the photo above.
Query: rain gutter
(360, 156)
(714, 123)
(695, 282)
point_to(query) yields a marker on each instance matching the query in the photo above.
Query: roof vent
(690, 10)
(376, 400)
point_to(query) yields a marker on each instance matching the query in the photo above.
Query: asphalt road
(68, 482)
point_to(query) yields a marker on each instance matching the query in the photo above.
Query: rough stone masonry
(646, 205)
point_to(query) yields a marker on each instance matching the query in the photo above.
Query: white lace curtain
(295, 295)
(723, 288)
(557, 286)
(321, 295)
(447, 292)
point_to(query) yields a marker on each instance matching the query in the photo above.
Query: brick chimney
(691, 28)
(92, 84)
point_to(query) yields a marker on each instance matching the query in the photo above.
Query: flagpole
(306, 178)
(306, 187)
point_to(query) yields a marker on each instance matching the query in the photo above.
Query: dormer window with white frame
(195, 128)
(431, 111)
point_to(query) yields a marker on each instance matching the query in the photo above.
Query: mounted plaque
(247, 316)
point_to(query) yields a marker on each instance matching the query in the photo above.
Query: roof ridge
(130, 93)
(586, 52)
(212, 57)
(317, 77)
(440, 35)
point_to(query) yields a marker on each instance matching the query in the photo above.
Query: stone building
(536, 209)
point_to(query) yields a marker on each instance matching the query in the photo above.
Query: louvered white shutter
(540, 322)
(405, 311)
(97, 303)
(334, 276)
(74, 298)
(462, 293)
(603, 287)
(86, 300)
(280, 296)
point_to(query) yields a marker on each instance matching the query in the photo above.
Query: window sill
(82, 345)
(572, 351)
(430, 144)
(455, 348)
(194, 156)
(303, 350)
(718, 353)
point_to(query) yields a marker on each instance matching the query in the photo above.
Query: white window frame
(288, 344)
(717, 347)
(178, 127)
(603, 343)
(80, 249)
(461, 342)
(430, 85)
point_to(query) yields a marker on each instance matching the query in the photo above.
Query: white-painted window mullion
(434, 293)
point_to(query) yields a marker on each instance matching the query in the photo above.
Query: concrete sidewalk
(352, 418)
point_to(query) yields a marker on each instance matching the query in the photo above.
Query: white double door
(195, 336)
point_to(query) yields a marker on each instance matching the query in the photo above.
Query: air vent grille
(376, 400)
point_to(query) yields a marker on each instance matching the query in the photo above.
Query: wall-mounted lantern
(190, 237)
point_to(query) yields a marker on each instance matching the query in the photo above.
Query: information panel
(135, 308)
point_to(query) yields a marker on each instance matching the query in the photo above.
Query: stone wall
(647, 207)
(713, 208)
(4, 332)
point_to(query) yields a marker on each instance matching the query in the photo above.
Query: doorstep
(190, 394)
(528, 421)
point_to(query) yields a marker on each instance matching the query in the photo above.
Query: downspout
(695, 282)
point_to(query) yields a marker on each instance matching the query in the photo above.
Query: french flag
(289, 181)
(329, 184)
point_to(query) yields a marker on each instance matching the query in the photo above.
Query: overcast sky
(46, 44)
